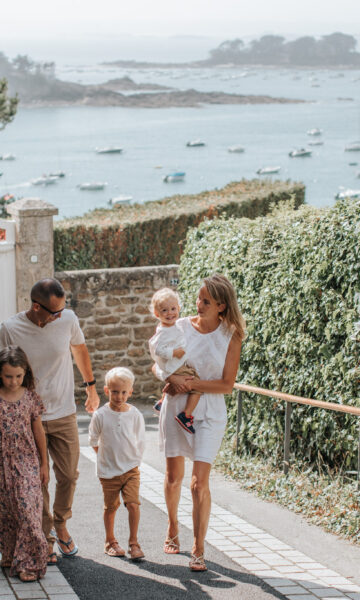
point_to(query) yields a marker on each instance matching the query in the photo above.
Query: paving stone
(237, 553)
(273, 560)
(24, 594)
(293, 589)
(328, 593)
(355, 596)
(291, 569)
(302, 597)
(72, 596)
(58, 589)
(278, 582)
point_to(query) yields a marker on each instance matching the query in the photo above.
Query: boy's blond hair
(119, 373)
(162, 295)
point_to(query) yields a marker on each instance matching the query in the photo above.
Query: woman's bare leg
(172, 488)
(201, 504)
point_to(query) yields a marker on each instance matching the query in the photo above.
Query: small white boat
(316, 143)
(58, 174)
(44, 180)
(195, 143)
(268, 170)
(7, 157)
(109, 150)
(314, 131)
(173, 177)
(120, 200)
(92, 187)
(354, 147)
(348, 194)
(237, 149)
(300, 152)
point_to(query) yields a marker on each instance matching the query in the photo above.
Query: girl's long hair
(16, 357)
(223, 292)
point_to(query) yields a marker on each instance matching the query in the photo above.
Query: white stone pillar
(34, 245)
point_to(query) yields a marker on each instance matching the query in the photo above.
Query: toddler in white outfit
(167, 349)
(117, 434)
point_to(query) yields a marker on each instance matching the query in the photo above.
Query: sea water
(46, 140)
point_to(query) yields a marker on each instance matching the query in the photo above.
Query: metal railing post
(287, 437)
(238, 418)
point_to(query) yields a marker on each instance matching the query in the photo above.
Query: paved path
(255, 550)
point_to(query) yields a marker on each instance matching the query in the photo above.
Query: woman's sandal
(52, 559)
(113, 549)
(135, 551)
(197, 563)
(27, 576)
(170, 546)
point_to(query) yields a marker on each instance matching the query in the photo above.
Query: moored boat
(44, 180)
(315, 131)
(300, 152)
(92, 186)
(236, 149)
(353, 194)
(195, 143)
(7, 156)
(268, 170)
(354, 147)
(173, 177)
(120, 200)
(109, 150)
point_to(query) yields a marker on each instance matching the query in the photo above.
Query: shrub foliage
(152, 233)
(297, 275)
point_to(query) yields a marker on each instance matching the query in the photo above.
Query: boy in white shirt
(117, 434)
(167, 349)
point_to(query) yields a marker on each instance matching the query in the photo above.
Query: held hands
(178, 353)
(93, 400)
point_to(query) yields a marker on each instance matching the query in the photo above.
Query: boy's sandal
(72, 552)
(170, 546)
(114, 549)
(197, 563)
(135, 551)
(26, 576)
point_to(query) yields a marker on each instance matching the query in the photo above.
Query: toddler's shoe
(157, 406)
(186, 422)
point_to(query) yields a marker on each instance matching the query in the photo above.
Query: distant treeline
(330, 50)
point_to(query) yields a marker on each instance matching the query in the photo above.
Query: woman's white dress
(206, 352)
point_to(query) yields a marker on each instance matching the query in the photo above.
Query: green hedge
(152, 233)
(297, 276)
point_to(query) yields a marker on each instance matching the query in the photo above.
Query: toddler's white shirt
(120, 437)
(162, 345)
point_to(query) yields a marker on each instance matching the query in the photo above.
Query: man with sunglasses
(49, 334)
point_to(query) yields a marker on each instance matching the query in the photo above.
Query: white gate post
(7, 270)
(34, 245)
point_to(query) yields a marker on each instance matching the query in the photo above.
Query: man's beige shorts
(128, 484)
(187, 371)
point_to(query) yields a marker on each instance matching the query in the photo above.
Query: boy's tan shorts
(187, 371)
(128, 484)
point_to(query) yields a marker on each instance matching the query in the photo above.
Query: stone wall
(113, 309)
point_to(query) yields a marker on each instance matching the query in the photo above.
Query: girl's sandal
(170, 546)
(27, 576)
(113, 549)
(197, 563)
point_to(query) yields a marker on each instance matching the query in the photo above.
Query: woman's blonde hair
(162, 295)
(223, 292)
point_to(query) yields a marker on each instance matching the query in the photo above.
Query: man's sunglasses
(52, 312)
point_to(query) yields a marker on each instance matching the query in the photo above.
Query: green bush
(153, 233)
(297, 276)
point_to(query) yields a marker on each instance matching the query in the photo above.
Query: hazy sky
(224, 18)
(34, 24)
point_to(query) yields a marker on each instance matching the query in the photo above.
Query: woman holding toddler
(213, 344)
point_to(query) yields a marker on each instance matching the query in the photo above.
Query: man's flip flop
(72, 552)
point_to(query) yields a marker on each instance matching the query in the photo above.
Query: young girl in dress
(23, 468)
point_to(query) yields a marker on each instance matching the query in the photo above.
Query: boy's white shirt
(120, 437)
(162, 345)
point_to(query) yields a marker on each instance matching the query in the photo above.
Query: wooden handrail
(353, 410)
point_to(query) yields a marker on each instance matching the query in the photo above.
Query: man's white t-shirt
(120, 437)
(49, 355)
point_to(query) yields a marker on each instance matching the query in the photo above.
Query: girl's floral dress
(22, 542)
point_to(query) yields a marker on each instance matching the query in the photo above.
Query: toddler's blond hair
(162, 295)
